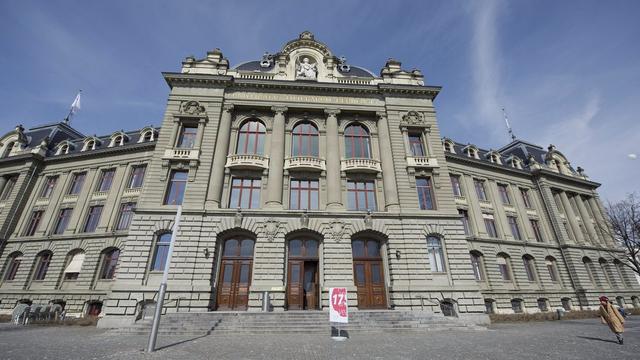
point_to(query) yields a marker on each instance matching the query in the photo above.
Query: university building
(297, 173)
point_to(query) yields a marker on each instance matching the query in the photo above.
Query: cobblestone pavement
(576, 339)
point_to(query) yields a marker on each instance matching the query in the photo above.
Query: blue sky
(568, 72)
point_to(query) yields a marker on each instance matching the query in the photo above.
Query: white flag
(75, 106)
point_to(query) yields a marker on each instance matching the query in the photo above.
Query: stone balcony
(247, 161)
(361, 165)
(421, 162)
(132, 192)
(70, 198)
(304, 163)
(181, 154)
(99, 195)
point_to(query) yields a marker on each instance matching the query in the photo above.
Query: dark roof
(357, 71)
(253, 66)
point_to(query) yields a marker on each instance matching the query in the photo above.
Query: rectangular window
(361, 195)
(542, 305)
(187, 138)
(49, 185)
(126, 214)
(93, 218)
(536, 230)
(106, 179)
(63, 221)
(417, 147)
(8, 188)
(515, 229)
(525, 198)
(303, 194)
(245, 193)
(76, 183)
(425, 193)
(455, 184)
(34, 221)
(504, 194)
(176, 187)
(552, 270)
(137, 177)
(43, 266)
(465, 221)
(490, 225)
(436, 254)
(479, 185)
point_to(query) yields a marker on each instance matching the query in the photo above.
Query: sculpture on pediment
(192, 108)
(413, 118)
(306, 69)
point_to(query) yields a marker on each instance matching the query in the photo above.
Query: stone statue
(306, 69)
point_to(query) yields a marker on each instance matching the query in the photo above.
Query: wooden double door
(368, 274)
(235, 274)
(303, 279)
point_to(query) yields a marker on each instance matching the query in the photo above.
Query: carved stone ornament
(192, 108)
(271, 228)
(304, 219)
(368, 220)
(237, 219)
(337, 230)
(306, 69)
(413, 118)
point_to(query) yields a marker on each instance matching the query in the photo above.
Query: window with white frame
(436, 254)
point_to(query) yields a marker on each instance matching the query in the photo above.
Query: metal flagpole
(163, 285)
(509, 129)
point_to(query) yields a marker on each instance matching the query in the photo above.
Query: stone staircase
(290, 322)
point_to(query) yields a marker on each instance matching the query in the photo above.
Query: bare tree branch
(623, 225)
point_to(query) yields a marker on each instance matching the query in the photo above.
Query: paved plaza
(575, 339)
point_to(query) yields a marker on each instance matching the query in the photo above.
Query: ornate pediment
(192, 108)
(415, 119)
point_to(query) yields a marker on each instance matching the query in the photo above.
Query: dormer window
(118, 139)
(147, 134)
(515, 163)
(495, 158)
(472, 153)
(448, 147)
(89, 145)
(63, 149)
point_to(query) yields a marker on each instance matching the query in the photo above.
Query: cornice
(565, 178)
(101, 152)
(472, 161)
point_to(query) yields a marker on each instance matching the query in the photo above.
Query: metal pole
(163, 285)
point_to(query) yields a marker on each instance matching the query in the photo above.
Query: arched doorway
(235, 274)
(368, 274)
(302, 275)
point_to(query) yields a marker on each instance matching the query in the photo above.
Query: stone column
(475, 211)
(3, 182)
(334, 191)
(276, 159)
(586, 219)
(388, 171)
(601, 221)
(571, 218)
(216, 181)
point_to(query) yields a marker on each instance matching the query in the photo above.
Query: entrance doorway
(302, 275)
(235, 274)
(368, 274)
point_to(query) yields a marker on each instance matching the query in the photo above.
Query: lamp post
(163, 285)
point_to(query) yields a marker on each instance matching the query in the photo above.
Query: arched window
(251, 138)
(635, 301)
(447, 307)
(620, 269)
(305, 140)
(489, 306)
(477, 265)
(161, 252)
(566, 303)
(42, 265)
(604, 267)
(63, 150)
(109, 263)
(89, 145)
(503, 266)
(529, 267)
(543, 304)
(620, 301)
(587, 266)
(552, 268)
(357, 142)
(516, 305)
(13, 264)
(436, 254)
(448, 147)
(306, 248)
(74, 264)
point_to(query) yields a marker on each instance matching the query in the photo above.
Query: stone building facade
(298, 173)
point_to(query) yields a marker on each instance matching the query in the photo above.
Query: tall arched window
(503, 266)
(42, 265)
(305, 140)
(109, 263)
(357, 141)
(605, 272)
(552, 268)
(436, 254)
(620, 269)
(477, 265)
(13, 264)
(529, 267)
(251, 138)
(161, 252)
(74, 264)
(587, 266)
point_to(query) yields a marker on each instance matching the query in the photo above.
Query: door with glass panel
(368, 274)
(235, 274)
(302, 275)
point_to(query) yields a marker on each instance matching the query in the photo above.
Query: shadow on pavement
(180, 342)
(598, 339)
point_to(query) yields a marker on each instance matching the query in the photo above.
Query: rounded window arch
(304, 140)
(529, 267)
(303, 247)
(251, 137)
(517, 305)
(238, 247)
(109, 263)
(588, 267)
(75, 259)
(477, 264)
(503, 266)
(366, 248)
(436, 253)
(552, 268)
(13, 265)
(489, 306)
(43, 259)
(543, 304)
(604, 268)
(357, 141)
(161, 251)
